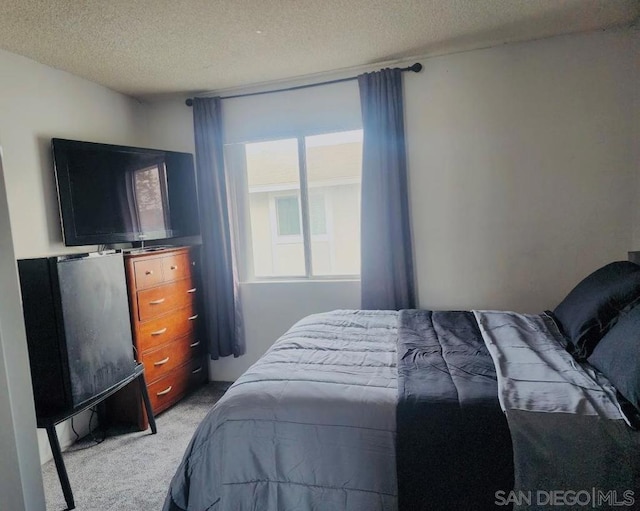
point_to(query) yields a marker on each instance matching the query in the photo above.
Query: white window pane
(274, 189)
(334, 169)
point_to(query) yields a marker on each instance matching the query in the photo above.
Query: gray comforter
(311, 425)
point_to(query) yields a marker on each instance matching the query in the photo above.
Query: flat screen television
(116, 194)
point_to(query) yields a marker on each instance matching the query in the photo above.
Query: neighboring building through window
(288, 215)
(301, 196)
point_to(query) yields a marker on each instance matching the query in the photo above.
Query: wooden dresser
(163, 299)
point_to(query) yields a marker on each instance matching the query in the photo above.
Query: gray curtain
(387, 277)
(222, 311)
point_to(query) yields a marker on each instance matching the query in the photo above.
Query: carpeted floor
(130, 471)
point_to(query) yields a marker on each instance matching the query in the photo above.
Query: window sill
(302, 280)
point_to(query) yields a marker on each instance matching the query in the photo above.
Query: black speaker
(76, 315)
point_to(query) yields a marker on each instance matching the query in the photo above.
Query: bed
(413, 410)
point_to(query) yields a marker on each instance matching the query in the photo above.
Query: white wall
(270, 308)
(170, 126)
(522, 175)
(315, 110)
(36, 104)
(20, 476)
(522, 172)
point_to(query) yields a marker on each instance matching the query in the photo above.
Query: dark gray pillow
(617, 356)
(592, 307)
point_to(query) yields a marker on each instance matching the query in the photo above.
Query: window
(298, 205)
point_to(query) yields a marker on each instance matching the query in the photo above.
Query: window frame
(243, 230)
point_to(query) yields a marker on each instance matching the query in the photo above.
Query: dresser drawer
(147, 273)
(159, 362)
(164, 329)
(176, 267)
(170, 388)
(159, 300)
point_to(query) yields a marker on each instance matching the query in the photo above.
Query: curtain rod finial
(189, 102)
(416, 68)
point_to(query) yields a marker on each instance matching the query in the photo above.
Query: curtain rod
(416, 68)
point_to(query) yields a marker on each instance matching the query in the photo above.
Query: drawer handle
(192, 290)
(191, 318)
(156, 302)
(194, 344)
(174, 267)
(196, 371)
(148, 272)
(161, 362)
(159, 332)
(165, 391)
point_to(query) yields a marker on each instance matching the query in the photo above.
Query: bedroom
(522, 162)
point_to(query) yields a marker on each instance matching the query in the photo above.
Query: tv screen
(116, 194)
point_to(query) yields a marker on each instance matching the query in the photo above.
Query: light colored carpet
(130, 471)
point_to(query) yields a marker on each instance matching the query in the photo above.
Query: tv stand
(49, 423)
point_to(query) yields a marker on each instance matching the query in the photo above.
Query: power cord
(91, 433)
(74, 431)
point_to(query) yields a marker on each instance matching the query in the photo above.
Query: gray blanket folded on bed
(572, 447)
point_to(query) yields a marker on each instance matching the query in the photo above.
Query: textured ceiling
(146, 48)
